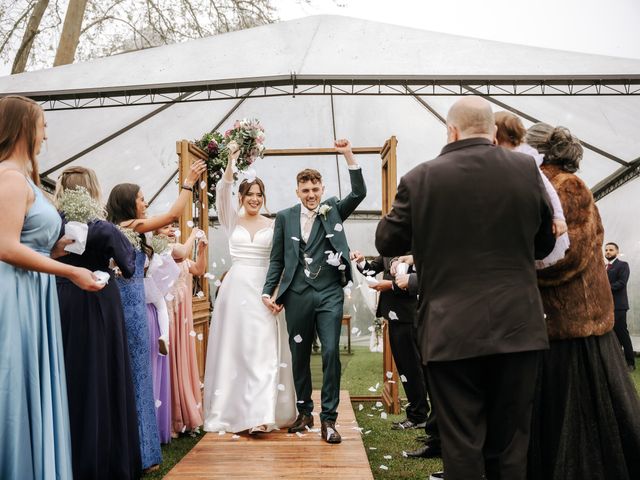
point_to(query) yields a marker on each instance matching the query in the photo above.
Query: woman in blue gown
(126, 207)
(34, 421)
(102, 408)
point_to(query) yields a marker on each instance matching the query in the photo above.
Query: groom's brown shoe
(329, 432)
(303, 421)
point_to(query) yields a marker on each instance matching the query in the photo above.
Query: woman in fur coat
(586, 415)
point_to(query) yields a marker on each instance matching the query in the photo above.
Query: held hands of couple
(271, 304)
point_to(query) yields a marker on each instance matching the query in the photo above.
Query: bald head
(471, 117)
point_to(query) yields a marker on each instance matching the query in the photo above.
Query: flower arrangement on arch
(248, 134)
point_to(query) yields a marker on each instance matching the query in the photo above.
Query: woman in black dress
(102, 410)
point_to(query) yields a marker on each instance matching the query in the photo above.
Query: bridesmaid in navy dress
(34, 420)
(102, 408)
(126, 207)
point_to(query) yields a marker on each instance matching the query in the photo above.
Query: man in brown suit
(475, 217)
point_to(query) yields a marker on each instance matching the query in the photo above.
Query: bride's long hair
(246, 185)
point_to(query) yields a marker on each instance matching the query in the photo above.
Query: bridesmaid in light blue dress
(34, 421)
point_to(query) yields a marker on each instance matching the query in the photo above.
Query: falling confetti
(192, 333)
(297, 339)
(168, 297)
(300, 435)
(177, 234)
(217, 283)
(338, 227)
(200, 294)
(328, 235)
(235, 437)
(190, 224)
(217, 392)
(309, 260)
(307, 272)
(389, 375)
(295, 239)
(158, 403)
(203, 184)
(222, 432)
(333, 259)
(342, 267)
(283, 365)
(403, 379)
(199, 234)
(200, 336)
(392, 315)
(281, 387)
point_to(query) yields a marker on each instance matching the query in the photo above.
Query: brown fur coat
(575, 291)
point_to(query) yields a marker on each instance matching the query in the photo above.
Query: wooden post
(390, 397)
(198, 213)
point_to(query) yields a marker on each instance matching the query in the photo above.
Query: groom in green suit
(308, 269)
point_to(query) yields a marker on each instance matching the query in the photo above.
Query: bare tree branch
(22, 55)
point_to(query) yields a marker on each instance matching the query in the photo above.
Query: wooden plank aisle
(279, 454)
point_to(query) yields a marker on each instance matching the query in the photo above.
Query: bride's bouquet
(248, 135)
(79, 209)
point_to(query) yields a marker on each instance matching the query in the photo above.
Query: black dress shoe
(428, 451)
(407, 425)
(303, 421)
(436, 475)
(329, 432)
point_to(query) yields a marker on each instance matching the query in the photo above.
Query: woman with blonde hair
(102, 408)
(34, 420)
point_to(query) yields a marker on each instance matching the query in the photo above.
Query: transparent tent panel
(619, 211)
(146, 155)
(71, 131)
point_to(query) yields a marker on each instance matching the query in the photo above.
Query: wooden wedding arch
(199, 215)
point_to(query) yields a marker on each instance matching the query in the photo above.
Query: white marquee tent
(319, 78)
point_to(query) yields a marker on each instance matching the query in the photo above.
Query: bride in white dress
(248, 378)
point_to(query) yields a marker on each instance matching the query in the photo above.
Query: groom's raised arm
(348, 204)
(276, 261)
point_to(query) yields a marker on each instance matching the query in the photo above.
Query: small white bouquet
(79, 209)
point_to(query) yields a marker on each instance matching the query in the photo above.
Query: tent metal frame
(291, 85)
(420, 88)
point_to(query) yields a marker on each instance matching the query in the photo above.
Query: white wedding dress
(248, 377)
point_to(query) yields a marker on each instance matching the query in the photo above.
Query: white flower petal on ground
(367, 432)
(235, 437)
(360, 407)
(222, 432)
(383, 415)
(392, 315)
(297, 339)
(372, 448)
(404, 454)
(300, 435)
(377, 385)
(372, 389)
(378, 404)
(190, 223)
(384, 467)
(338, 227)
(330, 431)
(387, 457)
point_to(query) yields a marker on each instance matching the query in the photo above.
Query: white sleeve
(558, 213)
(226, 207)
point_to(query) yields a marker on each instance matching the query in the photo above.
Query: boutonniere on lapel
(323, 210)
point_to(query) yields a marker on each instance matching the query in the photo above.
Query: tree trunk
(70, 32)
(22, 55)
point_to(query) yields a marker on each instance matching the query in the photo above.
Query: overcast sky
(593, 26)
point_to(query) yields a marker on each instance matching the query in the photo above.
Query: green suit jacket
(285, 252)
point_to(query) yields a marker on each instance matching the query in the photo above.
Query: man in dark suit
(398, 307)
(308, 268)
(618, 273)
(475, 217)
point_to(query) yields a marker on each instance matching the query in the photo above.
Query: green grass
(360, 370)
